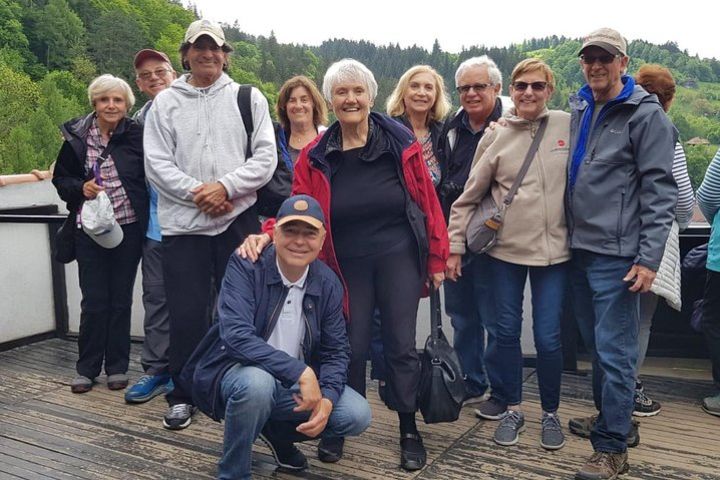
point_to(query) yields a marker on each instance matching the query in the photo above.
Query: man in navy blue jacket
(275, 364)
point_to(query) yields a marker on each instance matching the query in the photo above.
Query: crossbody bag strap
(526, 164)
(101, 158)
(243, 101)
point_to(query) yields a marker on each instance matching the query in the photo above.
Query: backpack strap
(243, 100)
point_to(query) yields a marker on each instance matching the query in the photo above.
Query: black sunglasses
(604, 59)
(536, 86)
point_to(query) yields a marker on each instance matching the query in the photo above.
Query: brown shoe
(117, 381)
(604, 466)
(81, 384)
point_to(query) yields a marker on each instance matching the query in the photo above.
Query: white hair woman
(103, 152)
(384, 246)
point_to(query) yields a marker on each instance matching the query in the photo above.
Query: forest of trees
(51, 49)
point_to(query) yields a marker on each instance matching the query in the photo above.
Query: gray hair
(107, 83)
(348, 70)
(481, 61)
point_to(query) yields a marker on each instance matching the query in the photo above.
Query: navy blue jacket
(249, 305)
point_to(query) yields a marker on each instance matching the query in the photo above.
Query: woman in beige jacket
(533, 239)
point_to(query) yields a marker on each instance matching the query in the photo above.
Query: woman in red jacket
(386, 237)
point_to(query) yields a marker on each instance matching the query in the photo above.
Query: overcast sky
(457, 23)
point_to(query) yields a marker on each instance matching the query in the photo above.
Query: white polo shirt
(289, 330)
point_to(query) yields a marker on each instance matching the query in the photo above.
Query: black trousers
(193, 267)
(107, 276)
(393, 282)
(711, 321)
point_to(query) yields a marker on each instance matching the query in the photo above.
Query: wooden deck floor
(47, 432)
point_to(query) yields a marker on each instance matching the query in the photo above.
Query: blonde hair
(396, 105)
(108, 83)
(533, 65)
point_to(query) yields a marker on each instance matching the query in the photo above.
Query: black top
(367, 208)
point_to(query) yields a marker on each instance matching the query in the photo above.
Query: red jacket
(312, 178)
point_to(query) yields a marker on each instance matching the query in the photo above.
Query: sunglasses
(476, 87)
(604, 59)
(536, 86)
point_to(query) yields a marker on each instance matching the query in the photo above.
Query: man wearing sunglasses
(620, 205)
(468, 300)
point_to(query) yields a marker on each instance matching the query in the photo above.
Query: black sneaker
(582, 426)
(412, 452)
(491, 409)
(330, 450)
(286, 454)
(179, 416)
(644, 406)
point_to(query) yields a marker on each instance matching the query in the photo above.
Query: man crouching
(275, 364)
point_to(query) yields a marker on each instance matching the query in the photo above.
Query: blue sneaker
(148, 387)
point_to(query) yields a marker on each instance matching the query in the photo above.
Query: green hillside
(51, 49)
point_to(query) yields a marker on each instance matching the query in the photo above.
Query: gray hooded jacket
(195, 136)
(623, 202)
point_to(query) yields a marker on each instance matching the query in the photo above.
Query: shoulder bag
(482, 229)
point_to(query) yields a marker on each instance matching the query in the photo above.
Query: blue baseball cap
(302, 208)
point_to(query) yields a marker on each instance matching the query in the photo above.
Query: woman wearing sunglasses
(532, 239)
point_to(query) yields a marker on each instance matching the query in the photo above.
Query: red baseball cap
(147, 53)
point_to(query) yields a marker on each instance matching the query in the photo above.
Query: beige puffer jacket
(534, 232)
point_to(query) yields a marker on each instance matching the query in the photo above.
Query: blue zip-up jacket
(623, 199)
(250, 302)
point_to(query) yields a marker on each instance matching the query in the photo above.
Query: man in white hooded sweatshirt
(195, 144)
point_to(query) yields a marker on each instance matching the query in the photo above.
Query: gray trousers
(157, 324)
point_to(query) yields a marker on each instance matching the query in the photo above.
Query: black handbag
(442, 387)
(482, 229)
(64, 241)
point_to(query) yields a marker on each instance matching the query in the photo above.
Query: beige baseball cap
(608, 39)
(202, 27)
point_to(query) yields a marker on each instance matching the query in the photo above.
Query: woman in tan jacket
(532, 239)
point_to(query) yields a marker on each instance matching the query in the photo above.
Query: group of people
(275, 341)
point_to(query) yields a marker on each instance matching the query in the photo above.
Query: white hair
(482, 61)
(348, 70)
(108, 83)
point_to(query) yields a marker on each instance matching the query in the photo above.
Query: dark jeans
(548, 292)
(107, 276)
(470, 306)
(711, 321)
(193, 267)
(391, 281)
(607, 315)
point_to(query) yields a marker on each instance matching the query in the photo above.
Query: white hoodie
(195, 136)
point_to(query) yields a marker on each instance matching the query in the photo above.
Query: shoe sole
(711, 412)
(181, 426)
(485, 416)
(638, 413)
(552, 447)
(117, 386)
(622, 471)
(513, 441)
(154, 393)
(277, 459)
(81, 388)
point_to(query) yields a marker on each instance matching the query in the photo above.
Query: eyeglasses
(158, 73)
(536, 86)
(476, 87)
(604, 59)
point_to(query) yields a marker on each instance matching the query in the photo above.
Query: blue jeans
(252, 396)
(548, 291)
(607, 316)
(470, 306)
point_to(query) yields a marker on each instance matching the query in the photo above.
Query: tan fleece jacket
(534, 232)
